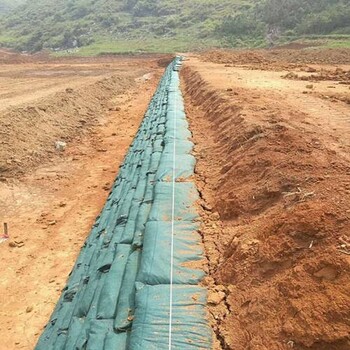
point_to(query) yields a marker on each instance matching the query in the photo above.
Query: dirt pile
(28, 134)
(338, 74)
(276, 225)
(279, 58)
(12, 57)
(234, 56)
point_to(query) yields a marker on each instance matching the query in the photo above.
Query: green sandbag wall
(130, 287)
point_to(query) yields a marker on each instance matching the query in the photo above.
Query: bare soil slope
(269, 58)
(273, 169)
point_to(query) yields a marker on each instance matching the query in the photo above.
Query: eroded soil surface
(50, 198)
(274, 173)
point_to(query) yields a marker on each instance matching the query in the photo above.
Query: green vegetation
(277, 20)
(96, 26)
(115, 25)
(8, 5)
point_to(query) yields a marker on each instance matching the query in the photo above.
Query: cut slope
(276, 223)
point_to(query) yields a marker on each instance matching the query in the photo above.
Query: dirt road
(50, 207)
(273, 169)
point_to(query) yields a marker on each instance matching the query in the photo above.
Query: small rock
(69, 90)
(51, 223)
(290, 75)
(220, 288)
(207, 207)
(310, 70)
(12, 245)
(60, 146)
(310, 86)
(215, 298)
(29, 309)
(229, 89)
(215, 216)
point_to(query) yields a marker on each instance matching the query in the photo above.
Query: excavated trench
(137, 281)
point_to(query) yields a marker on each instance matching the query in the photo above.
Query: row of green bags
(124, 268)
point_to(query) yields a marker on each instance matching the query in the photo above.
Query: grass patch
(337, 44)
(7, 39)
(156, 45)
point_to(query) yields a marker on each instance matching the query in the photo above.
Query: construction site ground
(271, 133)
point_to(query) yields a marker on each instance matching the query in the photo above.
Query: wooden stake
(6, 232)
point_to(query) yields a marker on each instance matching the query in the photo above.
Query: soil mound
(276, 225)
(264, 58)
(29, 135)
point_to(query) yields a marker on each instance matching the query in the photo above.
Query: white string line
(172, 233)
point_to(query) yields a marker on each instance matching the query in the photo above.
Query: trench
(137, 281)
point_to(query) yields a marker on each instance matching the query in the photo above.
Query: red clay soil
(276, 222)
(269, 59)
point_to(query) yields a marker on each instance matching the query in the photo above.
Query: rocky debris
(215, 298)
(60, 146)
(16, 244)
(310, 70)
(29, 309)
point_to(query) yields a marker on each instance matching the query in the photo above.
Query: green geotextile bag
(181, 147)
(107, 305)
(190, 329)
(156, 254)
(87, 334)
(185, 197)
(183, 170)
(126, 300)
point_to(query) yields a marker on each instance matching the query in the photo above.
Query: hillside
(167, 25)
(69, 24)
(8, 5)
(271, 21)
